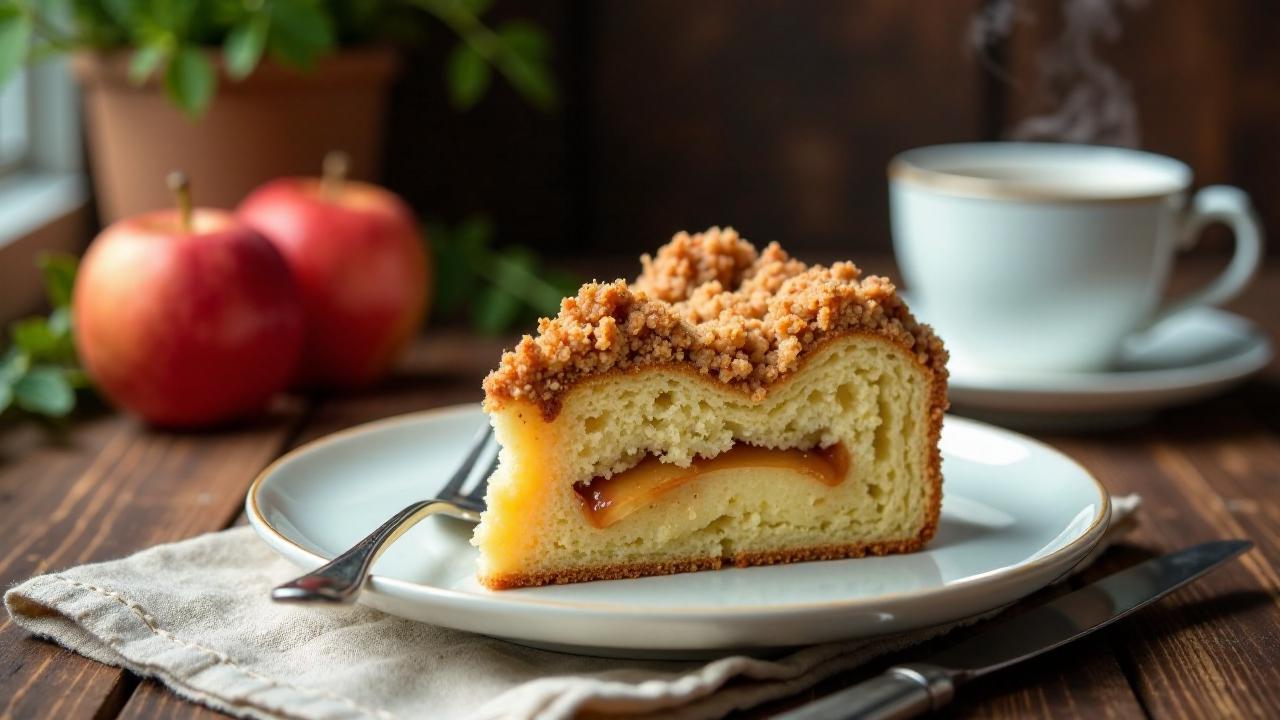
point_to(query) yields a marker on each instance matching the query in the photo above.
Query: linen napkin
(196, 616)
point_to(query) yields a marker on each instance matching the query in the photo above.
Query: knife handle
(902, 691)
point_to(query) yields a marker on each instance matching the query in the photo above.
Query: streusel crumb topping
(712, 301)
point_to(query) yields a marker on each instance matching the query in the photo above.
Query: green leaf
(474, 234)
(525, 39)
(190, 81)
(501, 287)
(532, 79)
(495, 310)
(13, 365)
(301, 31)
(34, 337)
(469, 76)
(145, 61)
(174, 16)
(517, 269)
(78, 378)
(476, 7)
(45, 340)
(15, 38)
(565, 284)
(59, 271)
(502, 303)
(60, 322)
(525, 62)
(457, 253)
(121, 11)
(451, 270)
(44, 390)
(245, 45)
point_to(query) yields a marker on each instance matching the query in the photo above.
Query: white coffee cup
(1046, 257)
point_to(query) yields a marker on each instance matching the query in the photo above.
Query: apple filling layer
(605, 501)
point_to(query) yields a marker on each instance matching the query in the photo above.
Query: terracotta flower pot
(276, 122)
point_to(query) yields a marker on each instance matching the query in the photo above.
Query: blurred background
(776, 117)
(541, 144)
(779, 117)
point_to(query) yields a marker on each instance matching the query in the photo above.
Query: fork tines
(483, 448)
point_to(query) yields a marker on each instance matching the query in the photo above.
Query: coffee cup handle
(1231, 207)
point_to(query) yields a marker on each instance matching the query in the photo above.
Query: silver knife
(905, 691)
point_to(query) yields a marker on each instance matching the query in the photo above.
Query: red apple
(187, 318)
(359, 261)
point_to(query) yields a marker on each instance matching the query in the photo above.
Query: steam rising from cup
(1092, 103)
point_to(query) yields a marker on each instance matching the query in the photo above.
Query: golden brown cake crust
(710, 301)
(711, 304)
(933, 510)
(635, 570)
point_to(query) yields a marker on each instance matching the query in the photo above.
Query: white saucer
(1193, 355)
(1016, 515)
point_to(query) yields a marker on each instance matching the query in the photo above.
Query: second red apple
(361, 267)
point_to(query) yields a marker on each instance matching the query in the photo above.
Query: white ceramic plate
(1016, 515)
(1193, 355)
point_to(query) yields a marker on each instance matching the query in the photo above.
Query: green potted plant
(240, 91)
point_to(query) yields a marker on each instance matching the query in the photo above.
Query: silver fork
(341, 580)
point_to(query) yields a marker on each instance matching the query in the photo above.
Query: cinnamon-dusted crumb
(711, 300)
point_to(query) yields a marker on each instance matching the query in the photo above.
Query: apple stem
(180, 186)
(336, 166)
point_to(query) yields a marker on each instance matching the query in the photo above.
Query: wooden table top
(108, 487)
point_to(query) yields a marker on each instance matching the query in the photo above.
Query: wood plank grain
(114, 488)
(775, 119)
(1200, 651)
(1231, 666)
(1081, 681)
(444, 368)
(447, 366)
(1213, 649)
(44, 680)
(151, 700)
(38, 473)
(1220, 436)
(1085, 681)
(1090, 682)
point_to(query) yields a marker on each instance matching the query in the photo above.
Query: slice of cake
(730, 406)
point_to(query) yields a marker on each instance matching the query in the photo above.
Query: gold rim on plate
(1101, 517)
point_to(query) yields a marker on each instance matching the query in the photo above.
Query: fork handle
(341, 579)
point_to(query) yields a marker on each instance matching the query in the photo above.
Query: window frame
(44, 194)
(15, 122)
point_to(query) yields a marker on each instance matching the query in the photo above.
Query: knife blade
(905, 691)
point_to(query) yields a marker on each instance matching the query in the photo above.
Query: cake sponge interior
(856, 389)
